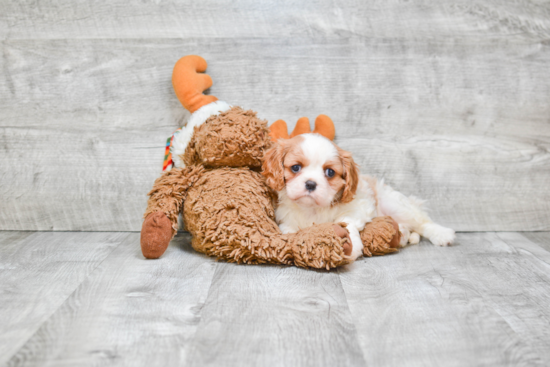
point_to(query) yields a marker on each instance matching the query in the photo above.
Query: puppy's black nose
(310, 185)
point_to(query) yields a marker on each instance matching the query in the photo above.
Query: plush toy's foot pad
(380, 237)
(156, 233)
(343, 233)
(394, 243)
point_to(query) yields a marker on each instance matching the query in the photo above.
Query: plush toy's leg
(156, 233)
(163, 207)
(380, 237)
(322, 246)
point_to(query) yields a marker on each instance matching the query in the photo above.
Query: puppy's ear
(351, 175)
(272, 168)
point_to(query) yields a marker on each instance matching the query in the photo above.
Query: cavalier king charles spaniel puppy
(317, 182)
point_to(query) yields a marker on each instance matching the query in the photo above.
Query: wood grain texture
(268, 19)
(130, 311)
(519, 289)
(540, 238)
(446, 101)
(38, 271)
(489, 174)
(482, 302)
(275, 316)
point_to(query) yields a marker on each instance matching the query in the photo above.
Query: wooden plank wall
(449, 101)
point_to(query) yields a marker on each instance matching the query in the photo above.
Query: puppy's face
(314, 171)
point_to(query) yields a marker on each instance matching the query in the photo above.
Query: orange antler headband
(323, 126)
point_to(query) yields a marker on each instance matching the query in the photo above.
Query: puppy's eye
(296, 168)
(329, 172)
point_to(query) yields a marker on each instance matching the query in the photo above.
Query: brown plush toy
(226, 205)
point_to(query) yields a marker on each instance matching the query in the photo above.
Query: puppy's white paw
(414, 238)
(441, 236)
(356, 243)
(356, 253)
(286, 229)
(405, 234)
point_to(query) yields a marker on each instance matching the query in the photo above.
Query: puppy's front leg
(286, 229)
(357, 244)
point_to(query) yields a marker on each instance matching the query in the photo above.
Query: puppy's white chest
(292, 217)
(293, 221)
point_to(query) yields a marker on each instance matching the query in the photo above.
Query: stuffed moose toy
(226, 204)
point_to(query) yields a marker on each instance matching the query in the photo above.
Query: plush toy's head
(217, 134)
(234, 138)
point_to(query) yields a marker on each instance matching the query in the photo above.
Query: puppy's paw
(286, 229)
(414, 238)
(440, 236)
(405, 234)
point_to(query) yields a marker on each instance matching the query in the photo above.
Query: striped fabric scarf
(168, 163)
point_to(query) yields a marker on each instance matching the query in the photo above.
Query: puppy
(317, 182)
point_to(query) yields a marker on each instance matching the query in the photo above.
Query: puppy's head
(312, 169)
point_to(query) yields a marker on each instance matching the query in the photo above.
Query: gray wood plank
(540, 238)
(11, 239)
(462, 123)
(275, 316)
(481, 302)
(130, 311)
(246, 18)
(38, 271)
(519, 289)
(466, 305)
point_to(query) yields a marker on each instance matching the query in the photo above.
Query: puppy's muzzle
(311, 185)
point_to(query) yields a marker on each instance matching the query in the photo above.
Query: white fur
(297, 211)
(292, 216)
(318, 150)
(183, 137)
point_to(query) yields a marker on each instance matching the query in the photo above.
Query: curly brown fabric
(229, 204)
(169, 190)
(380, 237)
(241, 227)
(234, 138)
(318, 247)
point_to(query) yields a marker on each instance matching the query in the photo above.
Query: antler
(278, 130)
(323, 126)
(189, 84)
(302, 127)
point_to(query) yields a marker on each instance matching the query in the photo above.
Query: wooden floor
(78, 298)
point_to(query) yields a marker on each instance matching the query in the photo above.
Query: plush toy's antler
(189, 84)
(323, 126)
